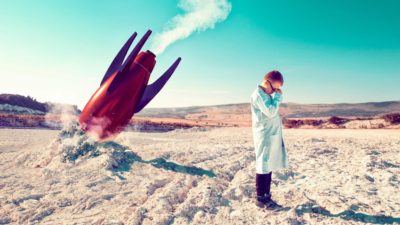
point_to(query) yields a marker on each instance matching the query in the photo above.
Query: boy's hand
(279, 91)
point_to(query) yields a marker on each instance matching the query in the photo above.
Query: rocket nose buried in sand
(123, 91)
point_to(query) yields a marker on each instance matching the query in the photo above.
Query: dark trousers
(263, 184)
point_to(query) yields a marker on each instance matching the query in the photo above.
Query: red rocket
(123, 91)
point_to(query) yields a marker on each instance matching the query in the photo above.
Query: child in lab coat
(267, 135)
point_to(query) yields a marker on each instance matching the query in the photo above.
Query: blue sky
(328, 52)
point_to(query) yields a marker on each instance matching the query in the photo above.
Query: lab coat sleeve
(268, 106)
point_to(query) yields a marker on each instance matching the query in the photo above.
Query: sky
(328, 51)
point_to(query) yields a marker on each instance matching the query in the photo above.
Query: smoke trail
(199, 15)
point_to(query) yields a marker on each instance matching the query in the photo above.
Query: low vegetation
(338, 120)
(392, 118)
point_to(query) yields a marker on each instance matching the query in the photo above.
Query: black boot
(263, 185)
(272, 205)
(263, 188)
(263, 201)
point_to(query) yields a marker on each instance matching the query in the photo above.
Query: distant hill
(288, 110)
(216, 115)
(27, 112)
(368, 109)
(21, 104)
(240, 115)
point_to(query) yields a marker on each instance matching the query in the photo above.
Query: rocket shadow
(127, 158)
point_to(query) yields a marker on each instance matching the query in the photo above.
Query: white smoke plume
(199, 15)
(61, 115)
(72, 143)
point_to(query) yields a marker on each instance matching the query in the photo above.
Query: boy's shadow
(127, 158)
(350, 214)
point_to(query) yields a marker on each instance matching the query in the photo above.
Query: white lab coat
(267, 132)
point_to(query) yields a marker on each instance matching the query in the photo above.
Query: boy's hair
(274, 75)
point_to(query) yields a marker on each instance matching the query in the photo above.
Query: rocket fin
(119, 77)
(153, 89)
(135, 51)
(119, 58)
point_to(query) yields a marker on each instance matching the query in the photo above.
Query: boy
(267, 135)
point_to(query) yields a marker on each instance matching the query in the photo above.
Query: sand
(198, 176)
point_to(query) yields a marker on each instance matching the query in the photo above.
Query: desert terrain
(197, 176)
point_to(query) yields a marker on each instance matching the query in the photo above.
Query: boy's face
(274, 84)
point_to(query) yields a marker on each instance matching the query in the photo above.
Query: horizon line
(223, 104)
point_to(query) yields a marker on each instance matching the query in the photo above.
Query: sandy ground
(199, 177)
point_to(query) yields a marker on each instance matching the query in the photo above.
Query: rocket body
(123, 92)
